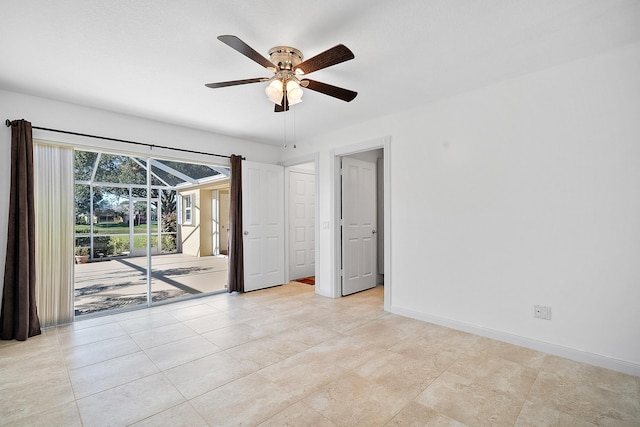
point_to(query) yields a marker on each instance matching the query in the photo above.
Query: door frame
(336, 154)
(290, 164)
(215, 222)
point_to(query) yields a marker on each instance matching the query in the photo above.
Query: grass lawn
(115, 228)
(120, 232)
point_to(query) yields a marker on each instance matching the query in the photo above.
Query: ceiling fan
(285, 86)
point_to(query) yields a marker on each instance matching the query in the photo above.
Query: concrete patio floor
(121, 282)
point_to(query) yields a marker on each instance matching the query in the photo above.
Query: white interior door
(359, 243)
(263, 224)
(302, 218)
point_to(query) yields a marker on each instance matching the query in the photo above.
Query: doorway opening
(362, 232)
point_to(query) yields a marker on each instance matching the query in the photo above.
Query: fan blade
(335, 91)
(284, 106)
(236, 82)
(237, 44)
(333, 56)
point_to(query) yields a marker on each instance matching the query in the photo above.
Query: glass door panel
(122, 220)
(108, 277)
(188, 262)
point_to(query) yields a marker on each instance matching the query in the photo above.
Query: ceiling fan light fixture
(274, 92)
(285, 87)
(294, 92)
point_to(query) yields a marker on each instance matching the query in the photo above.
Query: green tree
(82, 202)
(168, 201)
(83, 164)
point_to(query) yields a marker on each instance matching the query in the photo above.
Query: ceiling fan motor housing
(285, 57)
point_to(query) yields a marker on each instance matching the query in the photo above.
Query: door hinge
(341, 273)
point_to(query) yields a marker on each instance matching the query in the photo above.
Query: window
(186, 208)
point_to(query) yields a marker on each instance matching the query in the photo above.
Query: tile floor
(285, 356)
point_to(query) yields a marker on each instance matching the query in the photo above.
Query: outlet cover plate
(542, 312)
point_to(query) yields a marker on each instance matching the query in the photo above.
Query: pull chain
(284, 113)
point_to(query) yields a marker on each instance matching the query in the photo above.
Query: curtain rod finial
(8, 123)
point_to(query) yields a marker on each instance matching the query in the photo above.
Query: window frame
(187, 209)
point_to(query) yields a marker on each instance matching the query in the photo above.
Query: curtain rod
(152, 146)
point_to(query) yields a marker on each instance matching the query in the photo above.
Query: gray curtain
(236, 252)
(19, 315)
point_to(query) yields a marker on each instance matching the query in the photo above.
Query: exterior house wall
(190, 233)
(197, 237)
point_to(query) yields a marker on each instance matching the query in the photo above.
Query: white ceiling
(151, 58)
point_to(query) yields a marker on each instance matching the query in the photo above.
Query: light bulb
(294, 92)
(274, 92)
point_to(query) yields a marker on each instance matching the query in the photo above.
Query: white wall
(522, 193)
(59, 115)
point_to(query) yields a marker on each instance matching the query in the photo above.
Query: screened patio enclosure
(127, 212)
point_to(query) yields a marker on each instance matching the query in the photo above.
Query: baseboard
(549, 348)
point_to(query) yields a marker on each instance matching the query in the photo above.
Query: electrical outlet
(542, 312)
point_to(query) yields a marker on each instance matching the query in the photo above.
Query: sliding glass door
(131, 240)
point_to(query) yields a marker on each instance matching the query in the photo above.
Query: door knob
(246, 233)
(373, 231)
